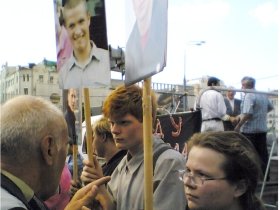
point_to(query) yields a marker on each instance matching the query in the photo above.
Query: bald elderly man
(34, 140)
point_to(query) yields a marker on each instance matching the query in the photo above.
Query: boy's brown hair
(127, 100)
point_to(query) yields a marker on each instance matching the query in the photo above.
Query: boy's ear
(88, 16)
(48, 149)
(104, 137)
(241, 188)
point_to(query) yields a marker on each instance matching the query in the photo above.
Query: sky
(240, 38)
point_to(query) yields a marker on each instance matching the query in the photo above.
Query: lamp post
(196, 43)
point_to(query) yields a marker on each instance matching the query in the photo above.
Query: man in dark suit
(233, 108)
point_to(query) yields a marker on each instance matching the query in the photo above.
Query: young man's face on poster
(77, 22)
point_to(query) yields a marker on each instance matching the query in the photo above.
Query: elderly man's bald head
(24, 121)
(34, 141)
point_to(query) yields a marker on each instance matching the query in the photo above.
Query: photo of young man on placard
(88, 64)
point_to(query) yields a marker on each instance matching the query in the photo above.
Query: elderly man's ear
(48, 149)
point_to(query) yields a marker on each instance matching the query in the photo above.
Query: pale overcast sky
(240, 38)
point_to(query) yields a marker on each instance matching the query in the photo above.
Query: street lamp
(196, 43)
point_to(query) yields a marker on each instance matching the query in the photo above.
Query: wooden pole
(88, 124)
(75, 161)
(148, 145)
(75, 138)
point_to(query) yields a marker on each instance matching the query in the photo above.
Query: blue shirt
(256, 105)
(70, 164)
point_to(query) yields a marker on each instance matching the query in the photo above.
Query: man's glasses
(195, 179)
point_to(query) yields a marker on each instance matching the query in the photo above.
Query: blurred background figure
(213, 109)
(104, 146)
(70, 117)
(253, 119)
(70, 113)
(233, 108)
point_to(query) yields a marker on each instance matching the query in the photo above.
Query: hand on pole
(91, 171)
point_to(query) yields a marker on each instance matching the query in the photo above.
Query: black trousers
(259, 141)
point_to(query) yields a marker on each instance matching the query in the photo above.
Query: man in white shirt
(213, 108)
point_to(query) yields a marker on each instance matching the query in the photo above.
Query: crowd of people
(221, 170)
(247, 116)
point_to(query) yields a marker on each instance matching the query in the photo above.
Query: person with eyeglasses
(222, 172)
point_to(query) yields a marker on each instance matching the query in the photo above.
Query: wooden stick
(75, 138)
(148, 145)
(88, 124)
(75, 162)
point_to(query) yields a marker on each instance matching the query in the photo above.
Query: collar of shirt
(133, 163)
(26, 190)
(94, 55)
(119, 154)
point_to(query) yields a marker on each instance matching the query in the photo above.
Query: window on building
(41, 78)
(23, 76)
(51, 79)
(25, 91)
(27, 77)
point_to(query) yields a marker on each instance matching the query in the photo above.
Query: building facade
(38, 80)
(42, 80)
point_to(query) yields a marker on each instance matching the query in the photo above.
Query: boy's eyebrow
(120, 121)
(198, 171)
